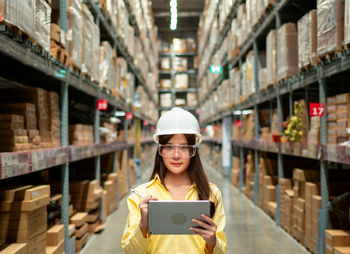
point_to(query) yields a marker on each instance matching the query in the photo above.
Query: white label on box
(35, 194)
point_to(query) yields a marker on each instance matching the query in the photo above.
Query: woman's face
(177, 160)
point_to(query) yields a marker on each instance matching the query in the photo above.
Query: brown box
(37, 245)
(180, 63)
(55, 235)
(80, 232)
(342, 250)
(28, 205)
(287, 51)
(8, 193)
(79, 243)
(58, 249)
(79, 219)
(337, 238)
(13, 248)
(330, 28)
(71, 229)
(33, 193)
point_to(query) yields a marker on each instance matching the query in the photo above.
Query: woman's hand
(144, 215)
(207, 230)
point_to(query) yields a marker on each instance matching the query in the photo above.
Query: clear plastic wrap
(330, 26)
(42, 24)
(26, 16)
(122, 69)
(181, 81)
(179, 45)
(87, 41)
(96, 53)
(8, 11)
(244, 81)
(287, 51)
(347, 23)
(192, 99)
(105, 63)
(74, 35)
(307, 39)
(262, 78)
(165, 100)
(131, 87)
(271, 57)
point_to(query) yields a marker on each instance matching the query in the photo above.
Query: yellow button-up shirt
(133, 241)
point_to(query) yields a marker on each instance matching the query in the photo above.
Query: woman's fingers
(203, 224)
(208, 219)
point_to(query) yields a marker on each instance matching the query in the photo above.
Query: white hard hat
(177, 121)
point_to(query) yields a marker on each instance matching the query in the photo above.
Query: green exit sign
(215, 69)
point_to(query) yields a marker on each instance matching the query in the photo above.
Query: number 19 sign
(316, 109)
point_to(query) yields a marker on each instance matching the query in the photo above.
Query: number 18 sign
(316, 109)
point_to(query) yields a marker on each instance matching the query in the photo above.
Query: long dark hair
(195, 169)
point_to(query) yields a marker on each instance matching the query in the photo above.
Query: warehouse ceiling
(189, 12)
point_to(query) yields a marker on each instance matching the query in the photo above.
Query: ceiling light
(173, 14)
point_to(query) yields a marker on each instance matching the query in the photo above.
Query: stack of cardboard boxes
(23, 216)
(54, 118)
(38, 97)
(122, 173)
(55, 240)
(15, 137)
(81, 230)
(337, 241)
(81, 134)
(248, 190)
(236, 168)
(338, 118)
(110, 185)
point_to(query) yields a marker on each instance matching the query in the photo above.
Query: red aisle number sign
(128, 116)
(316, 109)
(102, 105)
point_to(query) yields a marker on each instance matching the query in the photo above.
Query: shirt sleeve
(133, 241)
(220, 220)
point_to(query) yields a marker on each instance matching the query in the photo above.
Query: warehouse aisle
(248, 229)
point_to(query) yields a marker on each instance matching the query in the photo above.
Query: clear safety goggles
(183, 151)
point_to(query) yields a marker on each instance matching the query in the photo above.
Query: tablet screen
(175, 216)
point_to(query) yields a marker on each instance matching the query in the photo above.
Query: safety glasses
(170, 150)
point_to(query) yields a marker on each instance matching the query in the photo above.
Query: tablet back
(175, 216)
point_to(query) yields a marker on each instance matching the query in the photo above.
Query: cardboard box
(80, 232)
(13, 248)
(32, 193)
(180, 63)
(79, 219)
(79, 243)
(8, 193)
(59, 249)
(342, 250)
(287, 51)
(71, 229)
(29, 205)
(37, 245)
(55, 235)
(75, 38)
(337, 237)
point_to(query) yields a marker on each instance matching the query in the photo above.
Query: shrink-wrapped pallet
(106, 65)
(26, 16)
(122, 70)
(307, 39)
(74, 35)
(130, 77)
(181, 81)
(96, 53)
(347, 23)
(287, 51)
(42, 24)
(271, 57)
(237, 86)
(8, 11)
(330, 26)
(262, 78)
(165, 100)
(192, 99)
(87, 40)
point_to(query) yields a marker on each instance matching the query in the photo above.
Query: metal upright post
(126, 125)
(172, 76)
(280, 119)
(323, 213)
(257, 124)
(241, 157)
(226, 145)
(69, 243)
(97, 141)
(290, 97)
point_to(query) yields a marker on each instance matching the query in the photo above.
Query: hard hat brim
(177, 131)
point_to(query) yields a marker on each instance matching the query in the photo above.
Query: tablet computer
(167, 217)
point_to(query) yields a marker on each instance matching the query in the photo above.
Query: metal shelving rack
(61, 78)
(172, 74)
(316, 75)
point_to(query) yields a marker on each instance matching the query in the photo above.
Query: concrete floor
(248, 229)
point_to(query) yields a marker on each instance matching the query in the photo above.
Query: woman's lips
(176, 164)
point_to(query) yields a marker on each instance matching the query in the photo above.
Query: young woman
(177, 175)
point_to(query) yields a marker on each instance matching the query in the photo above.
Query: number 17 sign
(316, 109)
